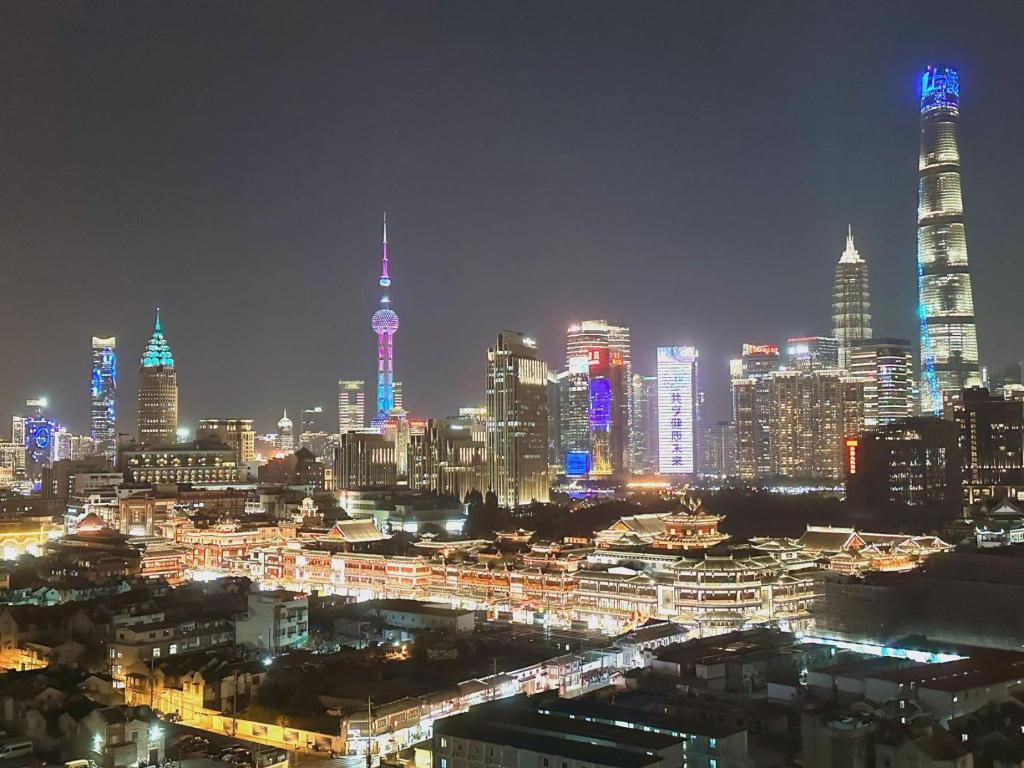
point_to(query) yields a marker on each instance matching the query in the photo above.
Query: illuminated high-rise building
(885, 366)
(750, 404)
(643, 436)
(949, 341)
(574, 417)
(582, 337)
(607, 412)
(517, 421)
(285, 440)
(158, 391)
(102, 391)
(385, 324)
(812, 353)
(677, 410)
(351, 404)
(851, 301)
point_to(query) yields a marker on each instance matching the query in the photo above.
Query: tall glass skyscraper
(851, 301)
(102, 390)
(949, 340)
(517, 421)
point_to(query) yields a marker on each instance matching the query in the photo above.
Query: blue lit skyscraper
(102, 391)
(949, 341)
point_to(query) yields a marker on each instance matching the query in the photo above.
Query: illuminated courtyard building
(102, 395)
(949, 341)
(517, 421)
(158, 391)
(885, 366)
(199, 463)
(677, 410)
(851, 302)
(914, 462)
(351, 404)
(991, 440)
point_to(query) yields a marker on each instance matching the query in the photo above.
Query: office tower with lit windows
(851, 301)
(643, 436)
(102, 393)
(812, 353)
(385, 324)
(808, 421)
(885, 366)
(314, 433)
(237, 434)
(749, 381)
(718, 449)
(574, 417)
(677, 410)
(158, 391)
(991, 438)
(285, 439)
(517, 421)
(555, 382)
(351, 404)
(949, 341)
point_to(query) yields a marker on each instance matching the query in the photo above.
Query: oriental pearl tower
(384, 324)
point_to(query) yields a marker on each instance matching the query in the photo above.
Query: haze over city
(686, 170)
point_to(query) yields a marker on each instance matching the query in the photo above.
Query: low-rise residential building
(274, 621)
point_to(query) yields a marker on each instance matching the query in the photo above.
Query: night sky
(688, 169)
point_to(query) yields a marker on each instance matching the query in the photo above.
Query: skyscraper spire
(156, 324)
(385, 279)
(850, 254)
(851, 301)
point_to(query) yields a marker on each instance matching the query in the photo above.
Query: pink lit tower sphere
(384, 324)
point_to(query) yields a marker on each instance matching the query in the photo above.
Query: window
(156, 653)
(174, 648)
(444, 762)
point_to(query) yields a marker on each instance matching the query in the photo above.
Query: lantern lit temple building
(688, 528)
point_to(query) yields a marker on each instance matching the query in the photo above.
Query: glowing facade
(851, 301)
(885, 366)
(949, 341)
(158, 391)
(517, 421)
(385, 324)
(102, 390)
(351, 405)
(677, 409)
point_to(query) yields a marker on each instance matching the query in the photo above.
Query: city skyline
(466, 262)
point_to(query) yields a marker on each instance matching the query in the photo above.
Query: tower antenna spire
(385, 279)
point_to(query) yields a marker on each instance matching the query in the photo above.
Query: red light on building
(850, 454)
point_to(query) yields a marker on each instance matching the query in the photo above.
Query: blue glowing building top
(158, 353)
(940, 89)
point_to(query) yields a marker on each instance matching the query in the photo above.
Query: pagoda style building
(690, 527)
